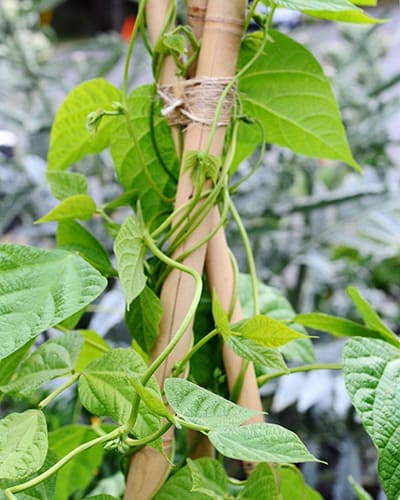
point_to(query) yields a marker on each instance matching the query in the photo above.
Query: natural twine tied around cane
(196, 101)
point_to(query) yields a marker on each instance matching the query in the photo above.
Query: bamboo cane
(222, 31)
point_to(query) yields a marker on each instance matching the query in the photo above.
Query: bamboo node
(196, 101)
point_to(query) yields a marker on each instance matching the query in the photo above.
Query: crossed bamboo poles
(219, 25)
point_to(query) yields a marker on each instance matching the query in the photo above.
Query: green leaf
(208, 478)
(359, 490)
(370, 317)
(261, 485)
(78, 473)
(275, 305)
(341, 327)
(247, 139)
(104, 389)
(288, 92)
(79, 206)
(143, 317)
(199, 406)
(40, 288)
(54, 359)
(69, 140)
(329, 5)
(263, 356)
(23, 444)
(9, 364)
(179, 486)
(334, 10)
(220, 318)
(266, 331)
(75, 238)
(372, 377)
(45, 490)
(260, 442)
(66, 184)
(152, 130)
(94, 347)
(130, 251)
(293, 486)
(150, 398)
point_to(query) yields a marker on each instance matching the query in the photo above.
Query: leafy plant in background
(138, 394)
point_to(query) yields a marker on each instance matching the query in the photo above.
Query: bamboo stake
(218, 57)
(220, 278)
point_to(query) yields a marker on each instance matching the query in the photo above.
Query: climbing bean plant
(282, 97)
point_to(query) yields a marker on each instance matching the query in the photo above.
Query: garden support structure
(221, 35)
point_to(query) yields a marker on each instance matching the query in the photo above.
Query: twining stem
(263, 379)
(59, 390)
(150, 438)
(237, 388)
(189, 315)
(54, 468)
(249, 255)
(138, 23)
(178, 369)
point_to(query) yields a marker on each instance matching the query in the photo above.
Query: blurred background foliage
(315, 226)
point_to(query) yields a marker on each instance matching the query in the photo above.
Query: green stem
(263, 379)
(190, 313)
(59, 390)
(249, 255)
(189, 425)
(250, 15)
(138, 23)
(149, 438)
(79, 449)
(178, 369)
(134, 412)
(237, 388)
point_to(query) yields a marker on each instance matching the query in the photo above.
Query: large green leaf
(209, 478)
(372, 378)
(256, 353)
(275, 305)
(199, 406)
(266, 331)
(40, 288)
(70, 141)
(130, 251)
(105, 390)
(23, 445)
(143, 317)
(151, 129)
(260, 442)
(288, 92)
(66, 184)
(78, 206)
(75, 238)
(260, 485)
(53, 359)
(45, 490)
(79, 472)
